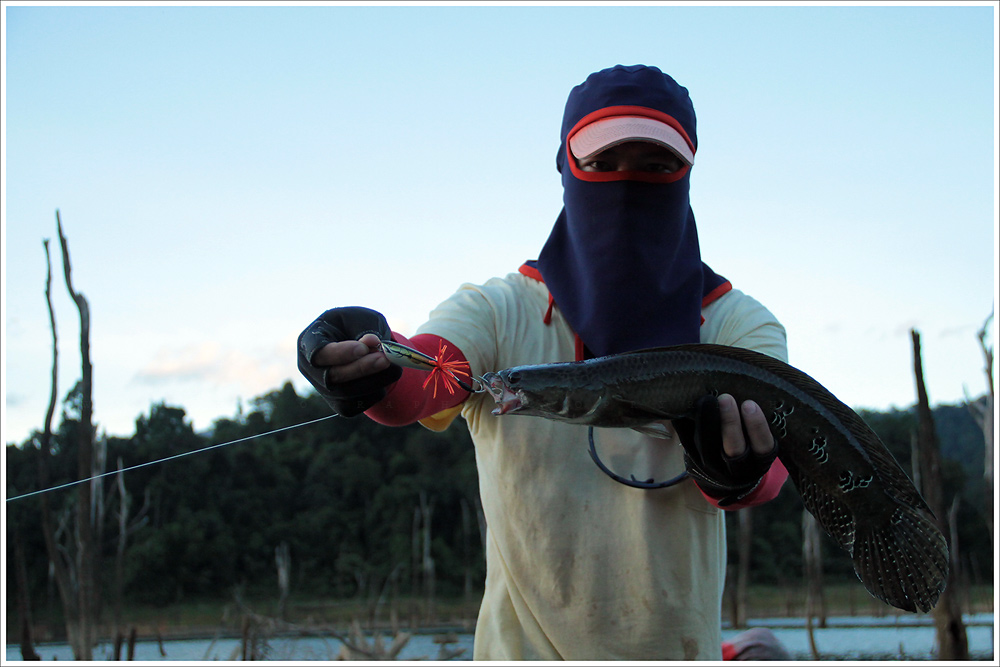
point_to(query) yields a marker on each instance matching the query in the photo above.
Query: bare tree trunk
(283, 561)
(812, 557)
(125, 528)
(466, 565)
(481, 521)
(23, 601)
(915, 460)
(60, 567)
(812, 560)
(98, 511)
(959, 581)
(427, 561)
(745, 541)
(87, 519)
(120, 556)
(982, 411)
(952, 640)
(415, 567)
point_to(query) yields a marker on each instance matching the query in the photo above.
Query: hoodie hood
(623, 262)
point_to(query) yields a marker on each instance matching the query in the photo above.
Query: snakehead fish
(847, 478)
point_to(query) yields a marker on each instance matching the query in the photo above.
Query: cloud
(250, 370)
(959, 330)
(194, 363)
(14, 400)
(903, 329)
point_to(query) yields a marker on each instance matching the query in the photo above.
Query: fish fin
(904, 561)
(901, 557)
(834, 516)
(897, 484)
(633, 411)
(654, 429)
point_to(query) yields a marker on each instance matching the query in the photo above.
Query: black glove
(351, 398)
(718, 475)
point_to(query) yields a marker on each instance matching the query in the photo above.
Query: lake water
(845, 638)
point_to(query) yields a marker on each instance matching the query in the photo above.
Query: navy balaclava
(622, 261)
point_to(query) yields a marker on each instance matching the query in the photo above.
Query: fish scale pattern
(847, 478)
(835, 517)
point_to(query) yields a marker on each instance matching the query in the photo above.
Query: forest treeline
(360, 508)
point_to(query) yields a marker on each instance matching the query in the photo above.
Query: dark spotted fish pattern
(847, 478)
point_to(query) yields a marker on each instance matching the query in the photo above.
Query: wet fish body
(847, 478)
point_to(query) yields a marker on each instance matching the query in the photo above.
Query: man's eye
(599, 165)
(668, 167)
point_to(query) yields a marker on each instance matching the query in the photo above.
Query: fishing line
(169, 458)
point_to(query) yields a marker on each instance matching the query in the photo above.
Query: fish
(845, 475)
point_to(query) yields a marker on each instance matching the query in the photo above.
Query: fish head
(507, 399)
(543, 391)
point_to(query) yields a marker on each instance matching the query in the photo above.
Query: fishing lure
(442, 370)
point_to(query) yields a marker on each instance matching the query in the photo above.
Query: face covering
(622, 261)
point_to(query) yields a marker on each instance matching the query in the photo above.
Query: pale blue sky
(224, 174)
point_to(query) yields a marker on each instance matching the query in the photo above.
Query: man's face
(633, 156)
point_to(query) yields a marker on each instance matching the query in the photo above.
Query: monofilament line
(168, 458)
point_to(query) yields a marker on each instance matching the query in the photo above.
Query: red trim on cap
(728, 651)
(629, 110)
(643, 176)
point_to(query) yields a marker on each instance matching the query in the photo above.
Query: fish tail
(903, 562)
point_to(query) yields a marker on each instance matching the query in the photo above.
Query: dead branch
(87, 522)
(952, 639)
(49, 530)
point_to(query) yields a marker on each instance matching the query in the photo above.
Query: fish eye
(513, 377)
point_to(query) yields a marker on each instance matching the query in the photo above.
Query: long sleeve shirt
(580, 567)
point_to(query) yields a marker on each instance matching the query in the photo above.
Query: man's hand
(753, 422)
(351, 359)
(339, 353)
(727, 448)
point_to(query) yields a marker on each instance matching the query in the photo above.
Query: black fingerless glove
(722, 477)
(348, 399)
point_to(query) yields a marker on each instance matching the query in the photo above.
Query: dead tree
(744, 544)
(126, 526)
(60, 566)
(87, 520)
(982, 411)
(427, 561)
(23, 601)
(812, 558)
(952, 640)
(75, 565)
(466, 559)
(283, 562)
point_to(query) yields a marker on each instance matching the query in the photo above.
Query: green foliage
(342, 494)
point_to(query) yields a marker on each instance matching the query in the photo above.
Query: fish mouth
(506, 399)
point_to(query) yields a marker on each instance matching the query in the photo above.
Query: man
(578, 566)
